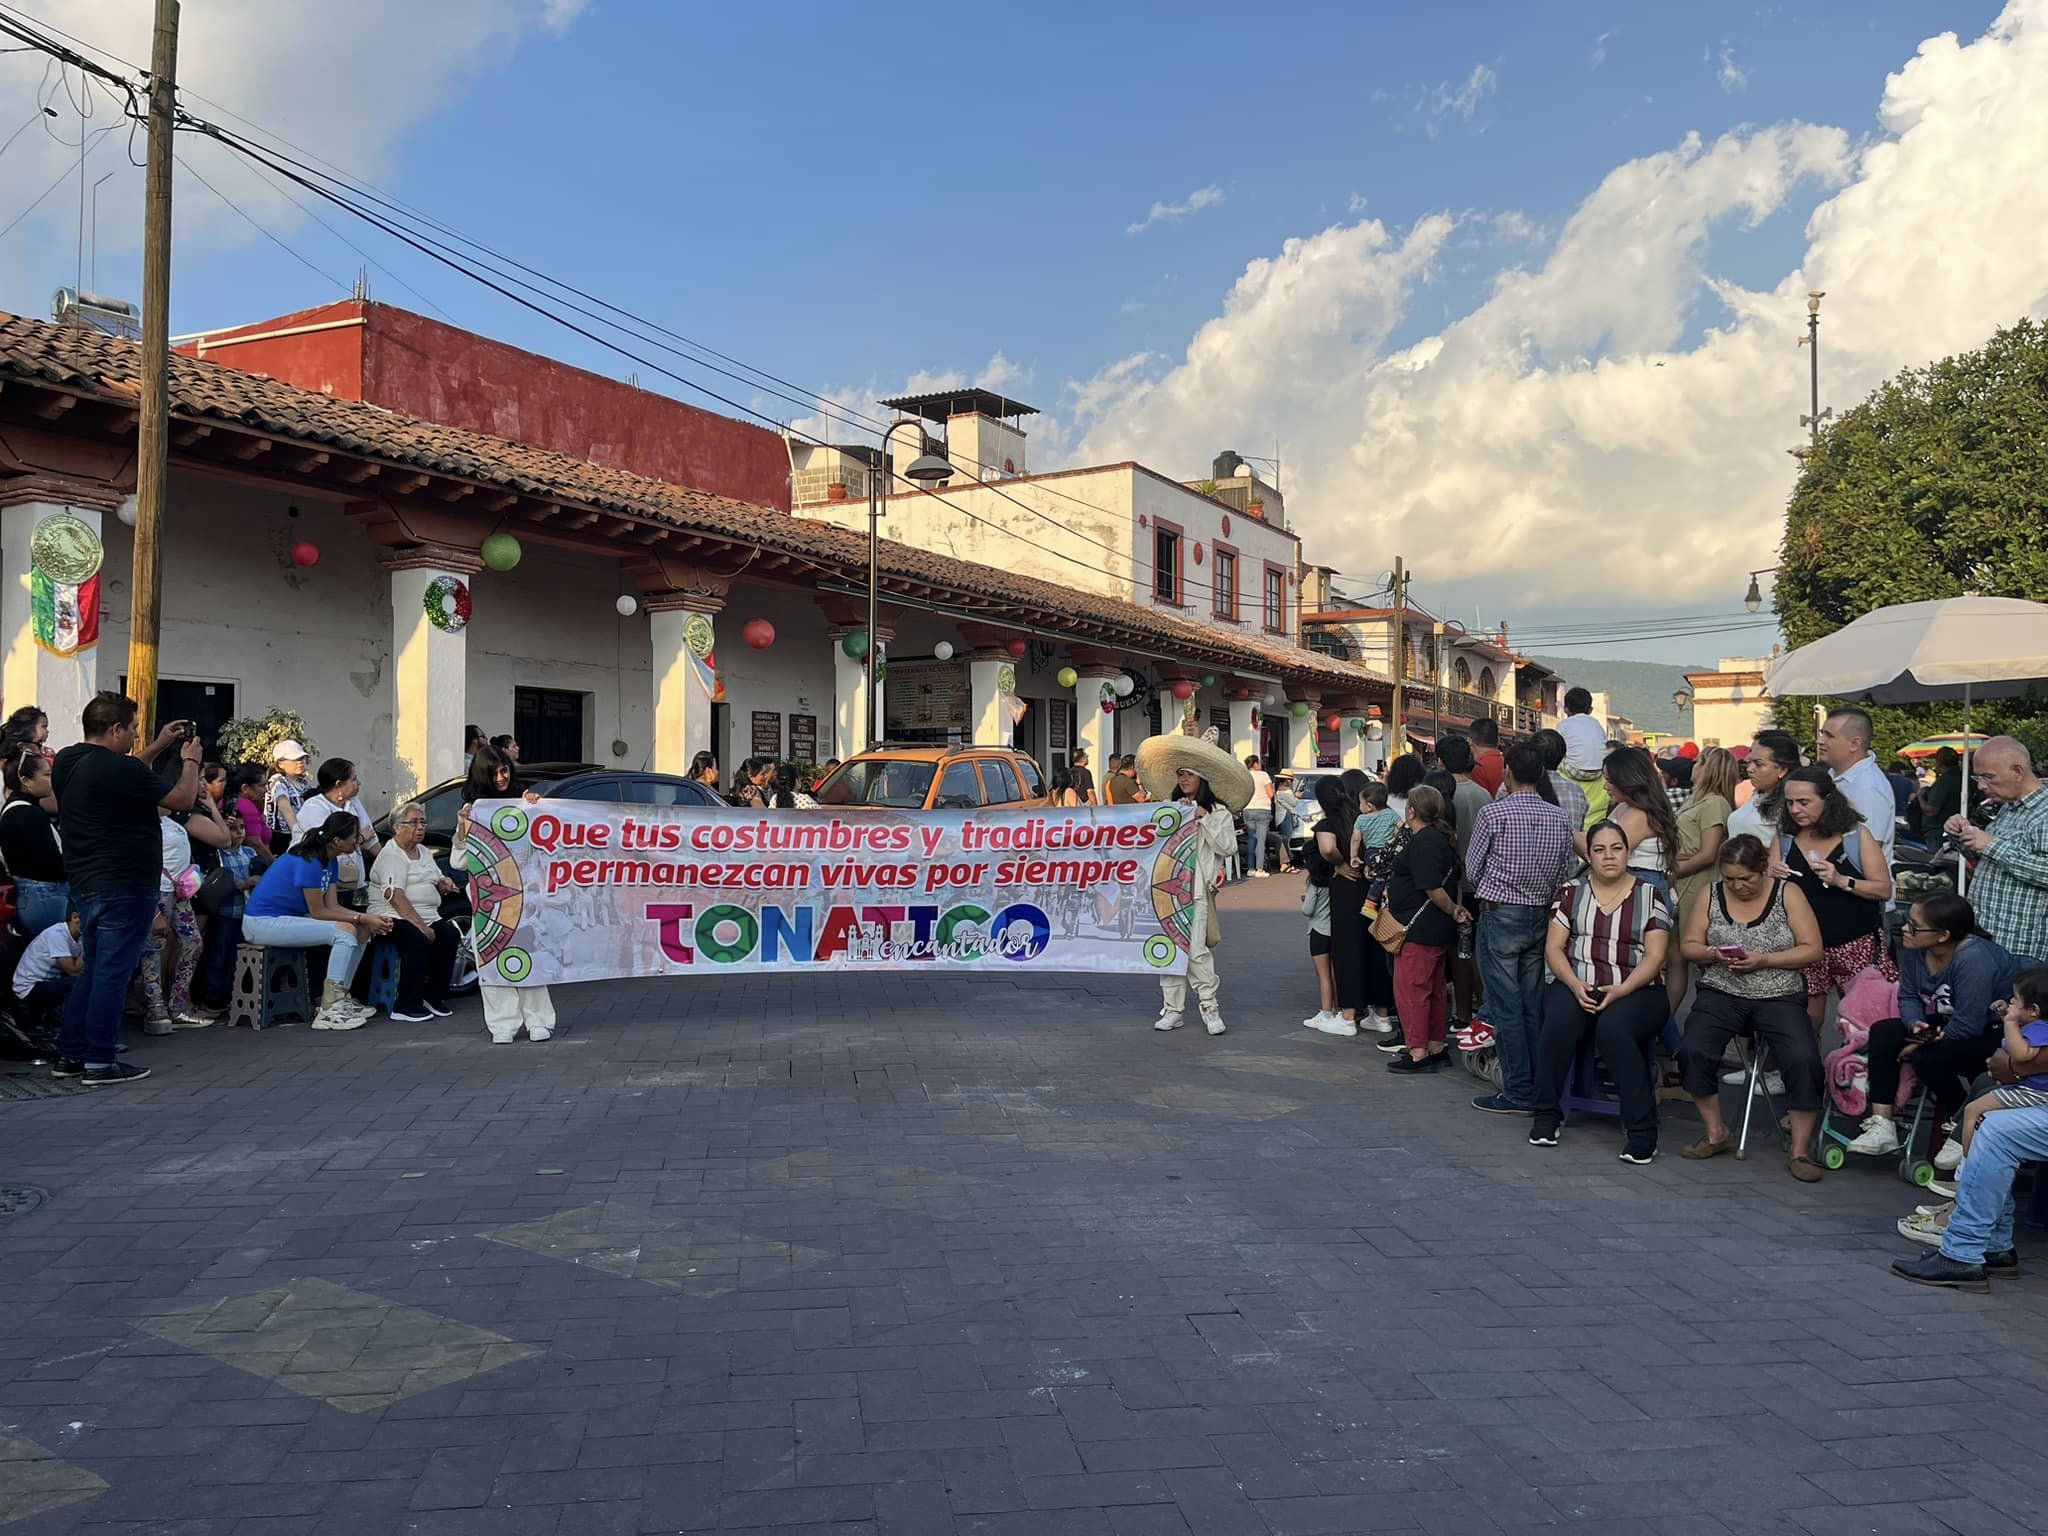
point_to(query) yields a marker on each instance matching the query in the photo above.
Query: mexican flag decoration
(64, 584)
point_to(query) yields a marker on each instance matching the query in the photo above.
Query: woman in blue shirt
(1949, 976)
(294, 905)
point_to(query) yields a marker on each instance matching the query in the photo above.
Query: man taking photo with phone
(107, 799)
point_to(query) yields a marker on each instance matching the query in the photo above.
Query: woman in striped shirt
(1608, 935)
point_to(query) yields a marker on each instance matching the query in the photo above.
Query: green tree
(1933, 487)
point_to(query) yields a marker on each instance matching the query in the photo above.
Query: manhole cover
(36, 1085)
(19, 1199)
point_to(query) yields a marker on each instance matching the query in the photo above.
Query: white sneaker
(1879, 1137)
(1316, 1020)
(1774, 1083)
(1336, 1024)
(1379, 1023)
(1260, 874)
(1168, 1021)
(337, 1018)
(1945, 1188)
(422, 1017)
(1213, 1022)
(538, 1035)
(1950, 1157)
(1920, 1229)
(1736, 1076)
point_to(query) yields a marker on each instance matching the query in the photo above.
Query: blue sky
(848, 194)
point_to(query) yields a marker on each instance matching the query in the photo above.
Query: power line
(250, 219)
(63, 176)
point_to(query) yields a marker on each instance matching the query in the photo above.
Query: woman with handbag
(1212, 786)
(1417, 924)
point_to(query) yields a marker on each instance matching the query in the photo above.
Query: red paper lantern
(1374, 712)
(1183, 690)
(1241, 693)
(1333, 722)
(758, 633)
(1017, 648)
(305, 552)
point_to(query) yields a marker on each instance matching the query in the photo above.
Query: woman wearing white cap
(1214, 786)
(283, 794)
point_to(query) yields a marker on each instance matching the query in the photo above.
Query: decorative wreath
(447, 604)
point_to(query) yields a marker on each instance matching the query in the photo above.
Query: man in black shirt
(1084, 781)
(107, 801)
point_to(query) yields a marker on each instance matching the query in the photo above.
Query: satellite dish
(1242, 472)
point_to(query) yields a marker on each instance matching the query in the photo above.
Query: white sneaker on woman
(1336, 1024)
(1879, 1138)
(338, 1017)
(1950, 1157)
(1167, 1021)
(1317, 1020)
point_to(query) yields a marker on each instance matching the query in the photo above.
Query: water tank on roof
(1225, 464)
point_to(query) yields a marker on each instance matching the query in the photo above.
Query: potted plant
(835, 490)
(250, 738)
(1256, 508)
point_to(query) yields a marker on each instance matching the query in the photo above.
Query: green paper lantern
(1300, 709)
(1208, 679)
(1069, 677)
(501, 552)
(855, 644)
(1360, 726)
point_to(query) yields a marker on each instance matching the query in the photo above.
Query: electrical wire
(63, 176)
(251, 221)
(34, 117)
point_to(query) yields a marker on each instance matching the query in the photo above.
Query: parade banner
(568, 890)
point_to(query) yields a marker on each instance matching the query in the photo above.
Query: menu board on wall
(767, 733)
(927, 695)
(1056, 724)
(803, 738)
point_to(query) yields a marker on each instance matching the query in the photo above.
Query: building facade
(1728, 704)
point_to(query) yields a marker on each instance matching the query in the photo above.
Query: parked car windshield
(878, 781)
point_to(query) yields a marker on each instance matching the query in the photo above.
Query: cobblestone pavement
(905, 1255)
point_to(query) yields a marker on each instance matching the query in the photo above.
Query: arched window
(1486, 682)
(1461, 674)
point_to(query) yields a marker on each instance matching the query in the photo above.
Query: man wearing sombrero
(1215, 786)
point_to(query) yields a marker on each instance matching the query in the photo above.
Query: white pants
(507, 1009)
(1201, 976)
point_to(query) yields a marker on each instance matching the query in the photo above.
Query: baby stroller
(1868, 999)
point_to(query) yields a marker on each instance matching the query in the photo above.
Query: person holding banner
(507, 1010)
(1215, 786)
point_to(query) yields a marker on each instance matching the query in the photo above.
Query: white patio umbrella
(1918, 653)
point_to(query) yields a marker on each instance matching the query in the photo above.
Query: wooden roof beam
(56, 406)
(504, 503)
(195, 433)
(358, 474)
(306, 464)
(254, 448)
(409, 484)
(458, 492)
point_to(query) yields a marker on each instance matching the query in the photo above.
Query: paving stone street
(905, 1255)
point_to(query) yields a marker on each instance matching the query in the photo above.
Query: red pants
(1419, 993)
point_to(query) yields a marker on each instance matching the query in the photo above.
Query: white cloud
(348, 82)
(1733, 77)
(1575, 436)
(1461, 100)
(1599, 54)
(1173, 213)
(1355, 205)
(854, 412)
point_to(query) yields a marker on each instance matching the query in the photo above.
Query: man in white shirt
(1843, 743)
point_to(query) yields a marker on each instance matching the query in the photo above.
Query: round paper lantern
(628, 605)
(305, 552)
(1208, 679)
(1123, 685)
(1333, 722)
(855, 644)
(501, 551)
(1017, 648)
(1272, 698)
(126, 511)
(1299, 709)
(1183, 690)
(943, 650)
(1068, 677)
(1241, 693)
(758, 633)
(1374, 711)
(1358, 726)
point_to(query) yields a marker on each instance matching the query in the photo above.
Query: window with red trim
(1168, 550)
(1225, 592)
(1276, 598)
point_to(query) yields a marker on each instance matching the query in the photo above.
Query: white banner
(569, 890)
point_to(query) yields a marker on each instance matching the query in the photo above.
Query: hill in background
(1639, 689)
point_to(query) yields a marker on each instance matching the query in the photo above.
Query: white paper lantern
(628, 605)
(943, 650)
(1123, 685)
(126, 511)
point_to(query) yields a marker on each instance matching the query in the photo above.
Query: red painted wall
(411, 364)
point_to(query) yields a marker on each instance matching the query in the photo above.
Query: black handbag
(215, 891)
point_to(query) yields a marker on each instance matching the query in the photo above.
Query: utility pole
(1395, 740)
(152, 466)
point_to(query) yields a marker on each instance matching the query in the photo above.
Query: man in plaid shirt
(1520, 852)
(2010, 889)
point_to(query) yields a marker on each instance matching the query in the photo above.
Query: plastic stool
(272, 986)
(383, 990)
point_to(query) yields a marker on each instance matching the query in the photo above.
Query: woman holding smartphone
(1755, 936)
(1608, 937)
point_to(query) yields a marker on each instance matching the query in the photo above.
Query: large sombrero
(1161, 757)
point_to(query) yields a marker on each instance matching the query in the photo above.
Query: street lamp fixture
(1682, 699)
(926, 469)
(1753, 599)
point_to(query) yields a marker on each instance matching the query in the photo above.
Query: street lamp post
(1753, 599)
(925, 469)
(1811, 340)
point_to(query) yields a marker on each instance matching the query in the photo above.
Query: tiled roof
(92, 364)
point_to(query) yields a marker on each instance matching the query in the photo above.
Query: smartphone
(1596, 993)
(1731, 951)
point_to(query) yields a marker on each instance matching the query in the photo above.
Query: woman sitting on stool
(1950, 976)
(1608, 937)
(406, 886)
(294, 906)
(1755, 936)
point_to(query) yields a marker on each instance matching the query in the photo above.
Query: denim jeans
(1982, 1222)
(1258, 825)
(112, 928)
(1511, 940)
(310, 933)
(40, 904)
